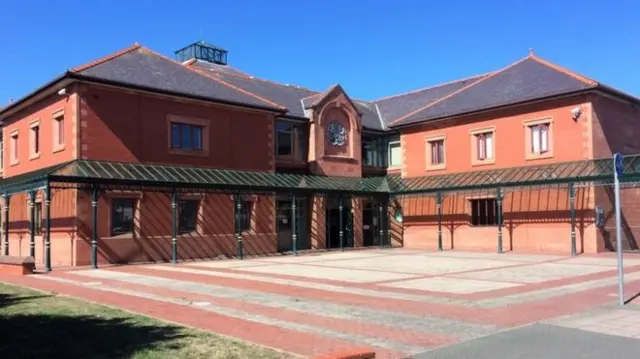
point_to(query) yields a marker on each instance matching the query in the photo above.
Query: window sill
(483, 162)
(58, 148)
(189, 233)
(180, 152)
(14, 163)
(533, 157)
(436, 167)
(127, 235)
(34, 156)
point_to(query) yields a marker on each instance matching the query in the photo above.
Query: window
(122, 216)
(437, 152)
(34, 136)
(539, 138)
(290, 143)
(484, 146)
(186, 136)
(38, 218)
(284, 139)
(372, 150)
(395, 154)
(58, 131)
(14, 148)
(245, 216)
(1, 153)
(484, 212)
(188, 216)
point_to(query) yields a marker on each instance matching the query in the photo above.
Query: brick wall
(123, 126)
(616, 128)
(535, 219)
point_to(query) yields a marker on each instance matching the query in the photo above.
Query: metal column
(385, 222)
(439, 212)
(32, 224)
(380, 216)
(7, 203)
(174, 226)
(294, 225)
(341, 223)
(572, 205)
(94, 226)
(47, 228)
(238, 209)
(499, 195)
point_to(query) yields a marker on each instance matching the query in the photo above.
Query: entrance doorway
(370, 224)
(284, 227)
(333, 223)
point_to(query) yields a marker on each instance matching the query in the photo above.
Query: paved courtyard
(399, 302)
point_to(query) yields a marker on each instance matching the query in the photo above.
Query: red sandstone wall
(535, 220)
(41, 112)
(122, 126)
(62, 228)
(151, 240)
(616, 128)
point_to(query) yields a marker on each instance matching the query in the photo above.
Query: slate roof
(144, 68)
(394, 107)
(284, 95)
(531, 78)
(525, 80)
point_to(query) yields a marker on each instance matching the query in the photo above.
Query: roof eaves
(492, 74)
(34, 92)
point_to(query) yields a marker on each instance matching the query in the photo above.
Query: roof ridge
(245, 75)
(458, 91)
(248, 93)
(214, 79)
(104, 59)
(431, 87)
(564, 70)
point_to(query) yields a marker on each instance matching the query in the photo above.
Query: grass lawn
(44, 325)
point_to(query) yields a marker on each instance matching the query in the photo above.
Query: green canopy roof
(172, 176)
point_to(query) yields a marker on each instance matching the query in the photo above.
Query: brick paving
(396, 302)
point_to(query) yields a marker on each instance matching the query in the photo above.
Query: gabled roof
(528, 79)
(141, 67)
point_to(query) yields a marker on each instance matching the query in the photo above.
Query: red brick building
(137, 157)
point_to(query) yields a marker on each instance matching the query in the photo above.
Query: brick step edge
(349, 354)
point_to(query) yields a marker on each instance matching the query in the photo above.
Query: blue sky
(372, 48)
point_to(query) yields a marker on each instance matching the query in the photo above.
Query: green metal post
(47, 228)
(499, 218)
(32, 224)
(387, 222)
(294, 225)
(572, 204)
(174, 226)
(94, 225)
(380, 216)
(340, 223)
(439, 211)
(7, 199)
(238, 208)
